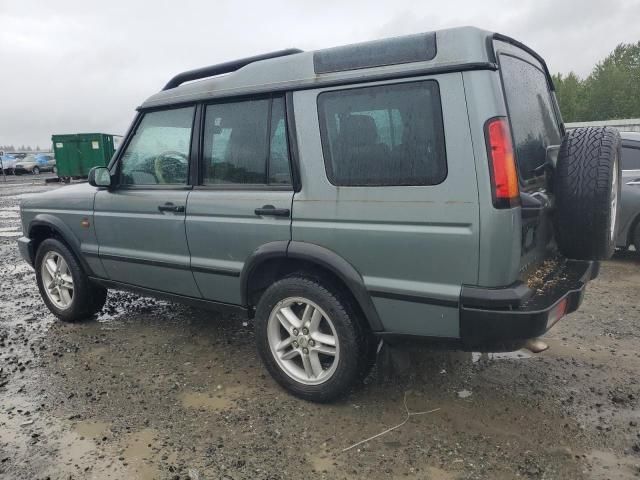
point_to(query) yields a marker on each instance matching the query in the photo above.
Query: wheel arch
(276, 259)
(45, 226)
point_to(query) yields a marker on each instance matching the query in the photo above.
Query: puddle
(91, 429)
(221, 399)
(10, 231)
(38, 189)
(61, 453)
(517, 355)
(138, 454)
(9, 213)
(603, 464)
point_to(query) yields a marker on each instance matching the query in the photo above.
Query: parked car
(397, 189)
(629, 232)
(36, 163)
(8, 164)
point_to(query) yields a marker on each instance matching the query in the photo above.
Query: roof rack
(226, 67)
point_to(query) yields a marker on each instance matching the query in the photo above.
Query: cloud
(77, 66)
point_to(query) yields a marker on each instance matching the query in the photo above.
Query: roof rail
(226, 67)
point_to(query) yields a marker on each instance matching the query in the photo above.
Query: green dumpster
(77, 153)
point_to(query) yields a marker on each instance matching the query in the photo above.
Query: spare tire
(587, 192)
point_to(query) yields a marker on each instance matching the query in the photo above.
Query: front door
(243, 199)
(140, 223)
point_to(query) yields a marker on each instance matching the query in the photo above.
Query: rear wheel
(35, 171)
(54, 169)
(587, 193)
(310, 338)
(63, 284)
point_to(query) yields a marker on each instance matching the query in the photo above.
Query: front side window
(533, 122)
(158, 153)
(384, 135)
(245, 143)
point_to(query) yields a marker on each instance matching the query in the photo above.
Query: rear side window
(533, 121)
(245, 142)
(631, 158)
(384, 135)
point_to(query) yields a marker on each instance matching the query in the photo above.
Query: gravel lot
(155, 390)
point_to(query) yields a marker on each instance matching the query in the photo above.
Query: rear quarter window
(384, 135)
(533, 122)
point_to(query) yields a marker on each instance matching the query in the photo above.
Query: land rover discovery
(415, 187)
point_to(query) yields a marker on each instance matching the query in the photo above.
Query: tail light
(504, 179)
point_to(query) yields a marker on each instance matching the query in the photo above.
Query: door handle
(170, 207)
(272, 211)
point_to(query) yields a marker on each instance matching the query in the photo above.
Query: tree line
(22, 148)
(611, 91)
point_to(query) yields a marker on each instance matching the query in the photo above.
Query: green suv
(419, 187)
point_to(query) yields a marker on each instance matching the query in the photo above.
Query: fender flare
(322, 257)
(64, 232)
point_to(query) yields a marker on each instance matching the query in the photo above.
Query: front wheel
(35, 171)
(54, 169)
(63, 284)
(310, 338)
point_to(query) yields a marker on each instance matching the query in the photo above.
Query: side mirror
(99, 177)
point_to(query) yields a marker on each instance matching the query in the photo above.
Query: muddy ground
(155, 390)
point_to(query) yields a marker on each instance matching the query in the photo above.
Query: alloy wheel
(57, 280)
(303, 340)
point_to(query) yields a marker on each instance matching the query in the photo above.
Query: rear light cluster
(504, 178)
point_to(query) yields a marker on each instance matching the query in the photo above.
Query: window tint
(240, 138)
(631, 158)
(384, 135)
(533, 122)
(158, 153)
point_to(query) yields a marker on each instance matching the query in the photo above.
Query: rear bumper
(499, 324)
(25, 245)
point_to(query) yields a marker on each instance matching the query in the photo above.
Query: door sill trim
(172, 297)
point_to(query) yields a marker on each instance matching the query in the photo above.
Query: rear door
(140, 224)
(389, 184)
(535, 126)
(244, 193)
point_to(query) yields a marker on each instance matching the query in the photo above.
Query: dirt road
(155, 390)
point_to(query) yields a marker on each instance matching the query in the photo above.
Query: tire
(35, 171)
(587, 193)
(54, 169)
(636, 238)
(86, 298)
(338, 373)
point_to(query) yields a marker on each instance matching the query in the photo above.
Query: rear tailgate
(535, 125)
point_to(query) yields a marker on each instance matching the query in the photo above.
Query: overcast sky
(72, 66)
